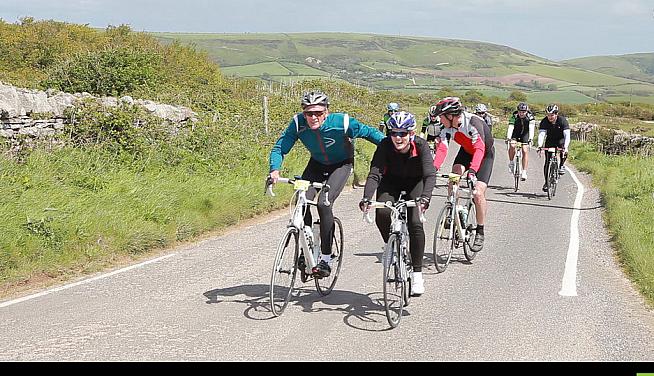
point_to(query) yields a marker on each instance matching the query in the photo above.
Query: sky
(552, 29)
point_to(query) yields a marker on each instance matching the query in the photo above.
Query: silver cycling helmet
(393, 107)
(448, 105)
(401, 120)
(480, 108)
(312, 98)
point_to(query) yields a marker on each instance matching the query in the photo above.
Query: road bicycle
(300, 240)
(517, 162)
(396, 259)
(456, 225)
(552, 171)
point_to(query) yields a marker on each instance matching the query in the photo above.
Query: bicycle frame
(450, 228)
(295, 240)
(552, 170)
(399, 256)
(517, 169)
(302, 204)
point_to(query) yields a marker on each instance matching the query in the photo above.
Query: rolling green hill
(634, 66)
(417, 65)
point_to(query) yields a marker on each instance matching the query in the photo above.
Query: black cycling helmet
(448, 105)
(315, 98)
(522, 106)
(552, 109)
(432, 111)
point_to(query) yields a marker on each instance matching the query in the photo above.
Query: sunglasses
(314, 113)
(399, 134)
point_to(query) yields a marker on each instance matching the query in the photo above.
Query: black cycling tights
(386, 192)
(337, 177)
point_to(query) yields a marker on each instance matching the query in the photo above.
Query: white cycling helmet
(480, 108)
(312, 98)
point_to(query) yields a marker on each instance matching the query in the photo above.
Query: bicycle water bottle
(462, 214)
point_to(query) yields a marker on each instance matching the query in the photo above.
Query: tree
(518, 96)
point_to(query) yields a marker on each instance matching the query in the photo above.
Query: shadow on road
(362, 311)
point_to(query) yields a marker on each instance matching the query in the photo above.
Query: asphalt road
(208, 301)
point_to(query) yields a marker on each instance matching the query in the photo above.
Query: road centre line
(64, 287)
(569, 282)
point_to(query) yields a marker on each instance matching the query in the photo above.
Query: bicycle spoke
(393, 284)
(326, 285)
(442, 244)
(470, 231)
(284, 271)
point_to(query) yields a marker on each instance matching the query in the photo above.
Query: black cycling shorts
(486, 168)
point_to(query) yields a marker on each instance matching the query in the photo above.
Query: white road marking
(64, 287)
(569, 283)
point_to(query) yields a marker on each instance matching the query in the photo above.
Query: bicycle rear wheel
(442, 245)
(284, 271)
(394, 286)
(470, 232)
(326, 285)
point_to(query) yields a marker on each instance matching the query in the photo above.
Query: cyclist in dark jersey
(328, 137)
(476, 153)
(521, 128)
(553, 131)
(402, 162)
(391, 108)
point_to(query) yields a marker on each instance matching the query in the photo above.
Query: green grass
(574, 75)
(628, 196)
(254, 70)
(571, 97)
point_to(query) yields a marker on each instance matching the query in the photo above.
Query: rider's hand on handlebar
(274, 175)
(472, 176)
(423, 204)
(364, 205)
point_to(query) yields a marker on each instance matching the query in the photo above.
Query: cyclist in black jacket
(554, 131)
(402, 162)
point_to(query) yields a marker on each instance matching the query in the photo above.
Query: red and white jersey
(472, 134)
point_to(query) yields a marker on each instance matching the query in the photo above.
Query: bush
(110, 72)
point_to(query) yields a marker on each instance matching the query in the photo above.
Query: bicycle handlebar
(319, 186)
(395, 207)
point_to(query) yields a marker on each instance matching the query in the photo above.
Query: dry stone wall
(39, 114)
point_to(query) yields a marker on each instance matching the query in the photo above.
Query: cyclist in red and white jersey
(476, 153)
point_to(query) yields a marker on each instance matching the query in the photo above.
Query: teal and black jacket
(329, 144)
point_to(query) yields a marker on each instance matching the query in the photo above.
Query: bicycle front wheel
(516, 173)
(407, 266)
(284, 271)
(443, 245)
(470, 232)
(326, 285)
(394, 286)
(551, 180)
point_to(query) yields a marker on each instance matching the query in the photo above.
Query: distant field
(574, 75)
(255, 70)
(434, 63)
(572, 97)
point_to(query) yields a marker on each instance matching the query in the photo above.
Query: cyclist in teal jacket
(328, 137)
